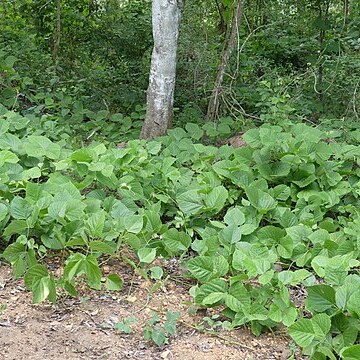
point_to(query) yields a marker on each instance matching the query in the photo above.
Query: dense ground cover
(252, 225)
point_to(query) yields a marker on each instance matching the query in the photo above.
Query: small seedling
(125, 325)
(160, 333)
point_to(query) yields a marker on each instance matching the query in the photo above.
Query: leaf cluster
(263, 220)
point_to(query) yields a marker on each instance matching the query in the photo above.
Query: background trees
(292, 59)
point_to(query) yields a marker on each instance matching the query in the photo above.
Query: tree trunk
(323, 15)
(214, 102)
(166, 16)
(57, 36)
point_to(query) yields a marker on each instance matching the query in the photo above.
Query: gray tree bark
(166, 15)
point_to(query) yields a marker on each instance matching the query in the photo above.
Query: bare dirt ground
(82, 328)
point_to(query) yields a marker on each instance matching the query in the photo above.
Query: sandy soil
(83, 328)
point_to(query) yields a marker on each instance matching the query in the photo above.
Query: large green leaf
(146, 255)
(37, 146)
(79, 264)
(8, 157)
(302, 332)
(234, 216)
(351, 353)
(16, 227)
(20, 208)
(320, 298)
(176, 241)
(261, 200)
(216, 199)
(321, 325)
(205, 268)
(94, 225)
(213, 286)
(190, 202)
(114, 282)
(41, 283)
(213, 298)
(353, 304)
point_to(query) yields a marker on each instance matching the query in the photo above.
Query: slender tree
(214, 102)
(57, 36)
(166, 15)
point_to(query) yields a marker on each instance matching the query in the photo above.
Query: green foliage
(125, 325)
(262, 219)
(160, 332)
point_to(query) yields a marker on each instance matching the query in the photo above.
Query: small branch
(213, 106)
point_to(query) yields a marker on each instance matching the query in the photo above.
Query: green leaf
(133, 223)
(114, 282)
(53, 242)
(94, 225)
(270, 234)
(293, 277)
(146, 255)
(125, 325)
(213, 298)
(170, 323)
(70, 288)
(176, 241)
(351, 353)
(289, 316)
(153, 222)
(194, 131)
(190, 202)
(231, 234)
(353, 304)
(19, 257)
(326, 351)
(153, 147)
(16, 227)
(252, 137)
(92, 272)
(299, 233)
(320, 298)
(78, 264)
(205, 268)
(41, 283)
(156, 272)
(321, 325)
(120, 210)
(38, 146)
(20, 208)
(261, 200)
(101, 247)
(215, 285)
(216, 198)
(57, 210)
(3, 211)
(302, 332)
(8, 157)
(234, 216)
(10, 61)
(343, 293)
(158, 336)
(275, 313)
